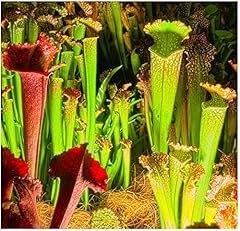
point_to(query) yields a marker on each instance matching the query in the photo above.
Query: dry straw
(79, 220)
(134, 206)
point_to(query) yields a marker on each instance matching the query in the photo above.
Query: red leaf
(44, 53)
(28, 189)
(34, 92)
(93, 172)
(77, 171)
(32, 61)
(11, 167)
(30, 57)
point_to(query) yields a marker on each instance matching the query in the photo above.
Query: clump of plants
(91, 89)
(104, 219)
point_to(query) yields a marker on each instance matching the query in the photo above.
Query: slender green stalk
(4, 141)
(166, 56)
(116, 131)
(112, 170)
(133, 27)
(4, 77)
(82, 71)
(17, 31)
(90, 60)
(82, 111)
(18, 96)
(90, 66)
(8, 117)
(21, 142)
(55, 114)
(160, 182)
(127, 144)
(101, 95)
(79, 31)
(184, 124)
(116, 143)
(230, 129)
(135, 61)
(108, 14)
(121, 105)
(70, 111)
(179, 157)
(67, 58)
(56, 125)
(191, 174)
(213, 114)
(105, 46)
(108, 126)
(116, 12)
(12, 93)
(148, 6)
(43, 162)
(32, 33)
(179, 103)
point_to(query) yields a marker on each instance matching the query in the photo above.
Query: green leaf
(159, 178)
(223, 34)
(67, 58)
(7, 76)
(212, 120)
(167, 36)
(102, 89)
(90, 61)
(191, 174)
(210, 9)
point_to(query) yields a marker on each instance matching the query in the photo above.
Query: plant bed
(119, 115)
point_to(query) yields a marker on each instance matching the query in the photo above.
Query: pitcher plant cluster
(89, 89)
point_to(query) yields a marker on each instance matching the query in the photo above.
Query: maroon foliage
(77, 171)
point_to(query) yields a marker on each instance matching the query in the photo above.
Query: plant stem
(166, 56)
(55, 114)
(67, 58)
(230, 129)
(126, 161)
(8, 116)
(3, 137)
(213, 114)
(56, 125)
(82, 70)
(70, 109)
(116, 12)
(90, 60)
(32, 30)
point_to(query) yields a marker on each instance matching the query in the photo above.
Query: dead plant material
(79, 220)
(45, 212)
(135, 206)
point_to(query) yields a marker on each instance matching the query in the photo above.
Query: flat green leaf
(210, 9)
(102, 89)
(224, 34)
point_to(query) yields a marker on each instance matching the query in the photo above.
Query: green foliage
(104, 219)
(135, 84)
